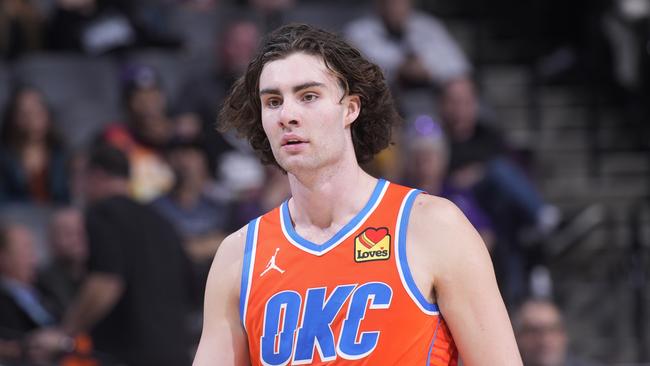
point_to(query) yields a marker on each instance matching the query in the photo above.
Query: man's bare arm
(97, 296)
(464, 283)
(223, 340)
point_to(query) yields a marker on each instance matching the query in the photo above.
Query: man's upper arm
(465, 285)
(223, 339)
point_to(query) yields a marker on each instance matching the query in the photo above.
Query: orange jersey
(350, 300)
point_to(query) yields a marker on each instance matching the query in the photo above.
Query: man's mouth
(292, 140)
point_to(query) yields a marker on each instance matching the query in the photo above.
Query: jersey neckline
(319, 249)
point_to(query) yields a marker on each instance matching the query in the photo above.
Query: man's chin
(295, 165)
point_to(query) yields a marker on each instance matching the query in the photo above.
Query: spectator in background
(145, 135)
(63, 275)
(249, 187)
(20, 28)
(542, 336)
(22, 308)
(479, 163)
(272, 12)
(32, 156)
(203, 95)
(100, 26)
(479, 160)
(425, 167)
(134, 298)
(412, 48)
(198, 216)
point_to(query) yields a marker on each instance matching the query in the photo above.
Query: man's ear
(353, 108)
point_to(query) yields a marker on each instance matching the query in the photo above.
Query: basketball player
(351, 269)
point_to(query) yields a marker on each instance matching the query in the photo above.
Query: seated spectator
(20, 28)
(479, 160)
(100, 26)
(253, 188)
(542, 336)
(145, 135)
(412, 48)
(22, 308)
(425, 164)
(479, 163)
(61, 278)
(198, 216)
(32, 156)
(203, 94)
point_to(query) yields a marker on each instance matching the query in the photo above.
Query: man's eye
(309, 97)
(273, 103)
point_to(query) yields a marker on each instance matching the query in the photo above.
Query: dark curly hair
(371, 131)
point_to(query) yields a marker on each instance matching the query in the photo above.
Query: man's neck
(328, 199)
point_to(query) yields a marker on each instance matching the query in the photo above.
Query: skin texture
(302, 100)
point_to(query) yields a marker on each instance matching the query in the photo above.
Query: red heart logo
(375, 235)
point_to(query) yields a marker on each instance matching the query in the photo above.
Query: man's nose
(289, 114)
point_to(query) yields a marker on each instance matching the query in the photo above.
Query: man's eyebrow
(295, 89)
(269, 91)
(307, 85)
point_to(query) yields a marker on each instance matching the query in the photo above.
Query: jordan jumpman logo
(271, 265)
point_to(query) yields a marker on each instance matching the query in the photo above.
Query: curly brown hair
(371, 131)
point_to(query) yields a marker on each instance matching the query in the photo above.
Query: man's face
(541, 336)
(32, 115)
(239, 46)
(68, 235)
(427, 164)
(94, 184)
(148, 107)
(190, 166)
(18, 259)
(304, 112)
(459, 108)
(395, 13)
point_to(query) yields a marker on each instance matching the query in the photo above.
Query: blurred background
(533, 116)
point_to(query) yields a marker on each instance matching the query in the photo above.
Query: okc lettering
(286, 339)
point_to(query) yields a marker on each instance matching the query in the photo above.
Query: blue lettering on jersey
(318, 313)
(316, 320)
(280, 322)
(379, 295)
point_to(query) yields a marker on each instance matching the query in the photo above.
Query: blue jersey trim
(345, 230)
(246, 268)
(433, 343)
(408, 205)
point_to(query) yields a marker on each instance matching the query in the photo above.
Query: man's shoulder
(430, 207)
(232, 246)
(437, 217)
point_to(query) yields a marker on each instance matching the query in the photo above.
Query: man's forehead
(295, 69)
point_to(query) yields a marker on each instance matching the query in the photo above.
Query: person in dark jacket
(134, 300)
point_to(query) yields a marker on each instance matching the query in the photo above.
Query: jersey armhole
(402, 262)
(247, 268)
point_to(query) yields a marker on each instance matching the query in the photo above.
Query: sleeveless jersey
(350, 300)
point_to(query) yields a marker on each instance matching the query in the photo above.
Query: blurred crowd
(130, 211)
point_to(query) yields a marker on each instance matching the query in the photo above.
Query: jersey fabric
(350, 300)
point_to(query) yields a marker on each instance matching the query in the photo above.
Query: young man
(351, 269)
